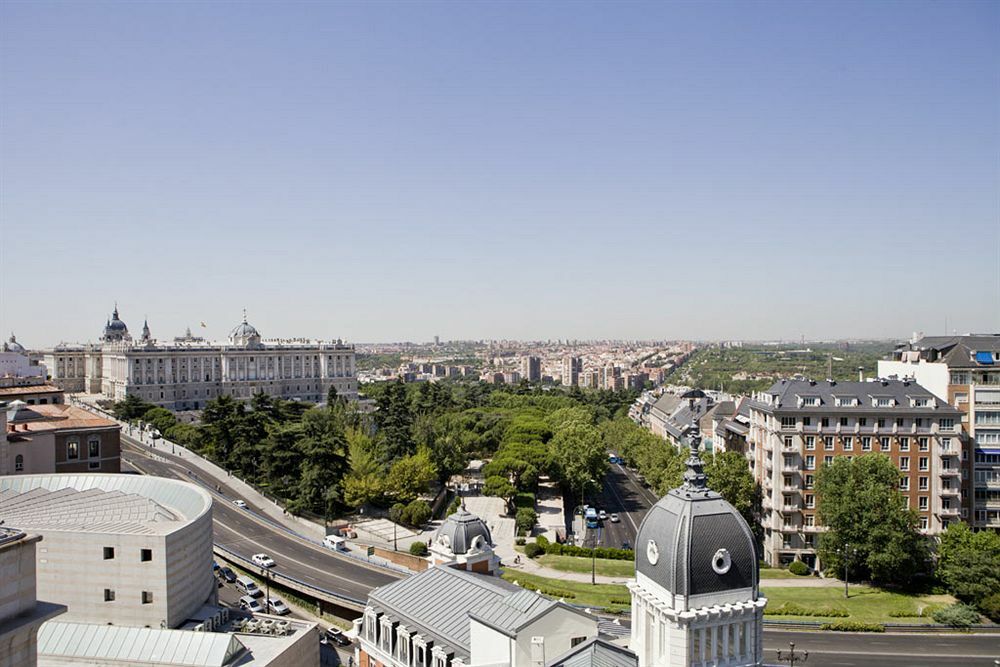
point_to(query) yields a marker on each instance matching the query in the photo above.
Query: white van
(251, 604)
(335, 542)
(248, 586)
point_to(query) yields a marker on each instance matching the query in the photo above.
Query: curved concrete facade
(121, 549)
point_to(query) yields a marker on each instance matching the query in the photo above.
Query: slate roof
(957, 351)
(509, 614)
(786, 394)
(596, 652)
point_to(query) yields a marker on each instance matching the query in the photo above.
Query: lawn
(865, 604)
(609, 596)
(776, 573)
(604, 566)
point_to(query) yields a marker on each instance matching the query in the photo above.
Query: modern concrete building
(188, 372)
(121, 549)
(21, 614)
(39, 439)
(531, 369)
(571, 369)
(965, 372)
(796, 426)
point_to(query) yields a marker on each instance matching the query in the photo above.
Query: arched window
(19, 463)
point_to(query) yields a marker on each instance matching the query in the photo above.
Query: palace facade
(188, 372)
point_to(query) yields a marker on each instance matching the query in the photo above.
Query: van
(248, 586)
(251, 604)
(334, 542)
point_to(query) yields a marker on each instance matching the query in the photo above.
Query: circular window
(721, 562)
(652, 552)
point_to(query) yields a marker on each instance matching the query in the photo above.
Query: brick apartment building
(798, 425)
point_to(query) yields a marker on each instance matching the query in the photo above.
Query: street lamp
(266, 573)
(791, 658)
(847, 552)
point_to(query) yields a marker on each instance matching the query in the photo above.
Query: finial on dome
(244, 315)
(695, 478)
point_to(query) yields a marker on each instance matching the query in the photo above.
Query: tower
(695, 598)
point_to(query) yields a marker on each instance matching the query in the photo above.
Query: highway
(243, 532)
(621, 493)
(834, 649)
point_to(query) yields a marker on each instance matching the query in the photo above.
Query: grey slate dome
(460, 531)
(245, 334)
(694, 544)
(115, 329)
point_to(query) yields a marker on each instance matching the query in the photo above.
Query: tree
(410, 476)
(161, 418)
(365, 482)
(860, 503)
(969, 563)
(130, 408)
(580, 457)
(395, 421)
(729, 474)
(416, 513)
(525, 520)
(521, 474)
(500, 487)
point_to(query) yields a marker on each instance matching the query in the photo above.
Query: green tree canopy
(860, 504)
(580, 456)
(969, 563)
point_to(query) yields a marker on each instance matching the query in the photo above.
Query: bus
(591, 517)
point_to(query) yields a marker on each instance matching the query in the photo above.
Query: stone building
(186, 373)
(37, 439)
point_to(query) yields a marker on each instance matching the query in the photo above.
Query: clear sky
(389, 171)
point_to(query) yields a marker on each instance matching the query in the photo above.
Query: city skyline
(583, 171)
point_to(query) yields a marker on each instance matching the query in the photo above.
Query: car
(278, 606)
(240, 503)
(250, 604)
(614, 518)
(602, 515)
(263, 560)
(226, 573)
(336, 636)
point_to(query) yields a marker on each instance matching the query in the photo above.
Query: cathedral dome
(695, 545)
(115, 329)
(14, 346)
(463, 532)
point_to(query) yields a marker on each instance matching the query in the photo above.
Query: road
(833, 649)
(621, 494)
(243, 532)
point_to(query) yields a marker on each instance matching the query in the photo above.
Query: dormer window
(809, 401)
(920, 402)
(846, 401)
(883, 401)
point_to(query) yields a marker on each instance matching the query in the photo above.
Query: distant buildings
(187, 373)
(965, 372)
(571, 369)
(531, 369)
(798, 425)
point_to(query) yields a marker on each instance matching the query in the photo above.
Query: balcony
(950, 472)
(812, 529)
(947, 511)
(786, 510)
(948, 492)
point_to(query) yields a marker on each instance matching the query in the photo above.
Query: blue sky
(391, 171)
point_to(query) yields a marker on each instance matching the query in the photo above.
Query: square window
(922, 502)
(109, 595)
(109, 553)
(862, 421)
(843, 421)
(147, 597)
(72, 450)
(146, 555)
(825, 421)
(94, 448)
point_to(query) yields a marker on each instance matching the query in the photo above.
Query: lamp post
(791, 658)
(847, 552)
(266, 573)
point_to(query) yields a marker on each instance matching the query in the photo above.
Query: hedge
(551, 592)
(852, 626)
(584, 552)
(533, 550)
(798, 568)
(926, 612)
(418, 549)
(792, 609)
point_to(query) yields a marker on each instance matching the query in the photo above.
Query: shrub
(799, 568)
(533, 550)
(396, 513)
(523, 500)
(957, 616)
(852, 626)
(792, 609)
(416, 513)
(544, 543)
(552, 592)
(925, 612)
(586, 552)
(418, 549)
(519, 541)
(525, 520)
(990, 607)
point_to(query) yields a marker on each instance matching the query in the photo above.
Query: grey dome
(693, 543)
(244, 331)
(14, 346)
(115, 328)
(460, 530)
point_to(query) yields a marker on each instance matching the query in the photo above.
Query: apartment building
(797, 426)
(965, 372)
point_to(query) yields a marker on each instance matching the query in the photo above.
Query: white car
(614, 518)
(602, 515)
(240, 503)
(263, 560)
(278, 606)
(251, 604)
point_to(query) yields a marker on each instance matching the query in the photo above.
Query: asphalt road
(834, 649)
(620, 493)
(242, 532)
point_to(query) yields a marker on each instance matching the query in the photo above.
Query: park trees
(868, 520)
(579, 456)
(969, 563)
(729, 474)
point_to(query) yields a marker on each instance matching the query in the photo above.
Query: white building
(187, 372)
(17, 368)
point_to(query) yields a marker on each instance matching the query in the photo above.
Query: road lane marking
(622, 505)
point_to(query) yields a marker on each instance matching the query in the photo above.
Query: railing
(292, 582)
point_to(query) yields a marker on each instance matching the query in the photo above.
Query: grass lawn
(601, 595)
(604, 566)
(776, 573)
(865, 604)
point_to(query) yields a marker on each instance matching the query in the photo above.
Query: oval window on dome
(652, 552)
(721, 561)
